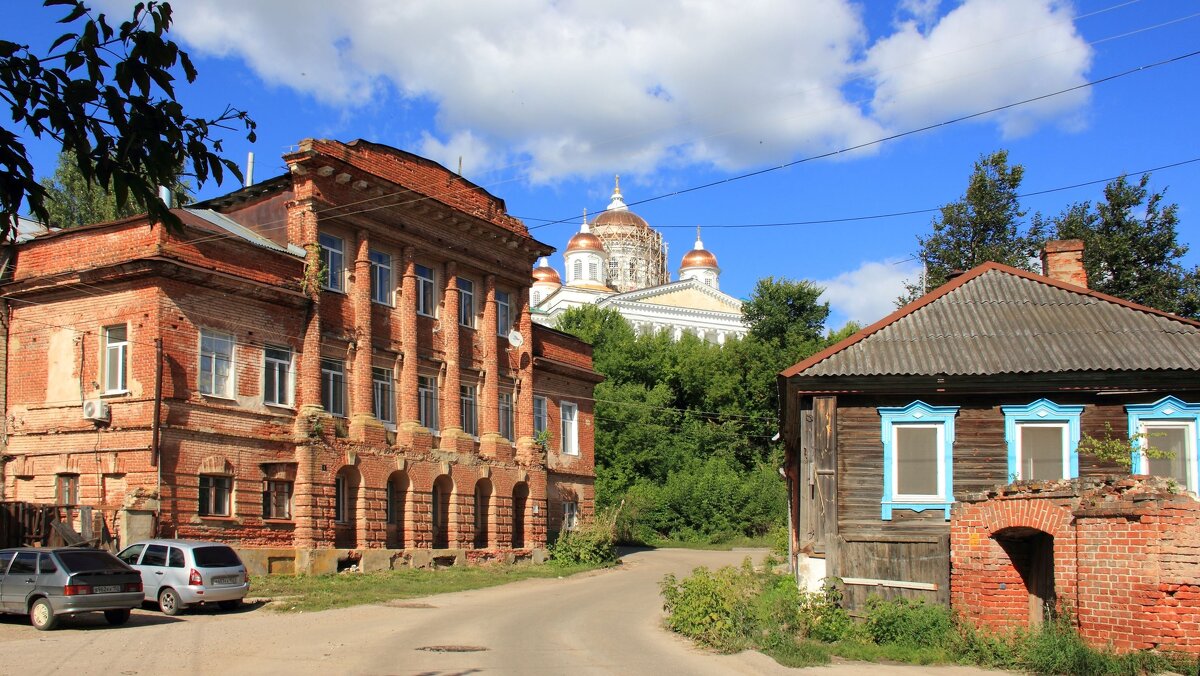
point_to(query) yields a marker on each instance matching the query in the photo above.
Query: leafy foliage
(71, 201)
(107, 95)
(985, 224)
(684, 428)
(1113, 447)
(1131, 247)
(591, 543)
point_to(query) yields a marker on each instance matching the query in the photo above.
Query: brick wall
(1125, 558)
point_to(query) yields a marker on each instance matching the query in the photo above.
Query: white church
(617, 260)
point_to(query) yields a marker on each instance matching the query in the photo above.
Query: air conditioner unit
(95, 409)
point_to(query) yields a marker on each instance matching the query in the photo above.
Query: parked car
(181, 573)
(52, 583)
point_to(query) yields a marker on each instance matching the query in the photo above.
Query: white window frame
(1169, 411)
(337, 390)
(570, 427)
(116, 351)
(1189, 428)
(917, 414)
(427, 402)
(940, 442)
(541, 418)
(577, 269)
(503, 313)
(333, 259)
(382, 290)
(466, 302)
(426, 290)
(272, 364)
(468, 409)
(570, 515)
(207, 376)
(1063, 428)
(383, 394)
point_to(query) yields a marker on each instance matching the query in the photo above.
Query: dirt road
(607, 622)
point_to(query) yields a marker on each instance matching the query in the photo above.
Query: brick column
(407, 391)
(489, 408)
(451, 416)
(527, 451)
(363, 424)
(302, 229)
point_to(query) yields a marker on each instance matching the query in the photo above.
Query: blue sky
(546, 100)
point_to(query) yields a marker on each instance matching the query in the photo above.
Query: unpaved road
(607, 622)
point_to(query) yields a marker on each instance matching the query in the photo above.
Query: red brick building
(338, 358)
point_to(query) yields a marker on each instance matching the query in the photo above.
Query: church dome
(585, 241)
(545, 274)
(618, 216)
(698, 257)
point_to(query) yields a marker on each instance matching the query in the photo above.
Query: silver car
(181, 573)
(51, 583)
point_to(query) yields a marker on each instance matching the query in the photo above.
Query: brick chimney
(1062, 260)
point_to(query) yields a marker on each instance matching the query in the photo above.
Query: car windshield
(86, 561)
(216, 557)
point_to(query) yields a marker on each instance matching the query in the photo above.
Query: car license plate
(227, 579)
(106, 589)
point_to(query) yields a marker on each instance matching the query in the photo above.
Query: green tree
(71, 201)
(1131, 247)
(985, 224)
(107, 96)
(785, 312)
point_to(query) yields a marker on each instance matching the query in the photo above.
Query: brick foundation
(1122, 555)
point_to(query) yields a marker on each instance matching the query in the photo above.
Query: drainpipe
(155, 457)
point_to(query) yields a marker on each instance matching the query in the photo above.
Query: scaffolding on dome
(637, 255)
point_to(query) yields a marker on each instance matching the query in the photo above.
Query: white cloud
(577, 88)
(869, 292)
(981, 55)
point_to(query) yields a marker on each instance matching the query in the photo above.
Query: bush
(824, 618)
(908, 623)
(593, 542)
(714, 608)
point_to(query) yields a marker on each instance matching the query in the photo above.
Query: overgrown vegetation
(302, 593)
(684, 428)
(735, 609)
(1118, 448)
(592, 543)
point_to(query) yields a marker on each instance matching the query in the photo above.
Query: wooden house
(991, 378)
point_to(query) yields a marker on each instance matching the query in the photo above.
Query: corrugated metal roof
(233, 227)
(1000, 322)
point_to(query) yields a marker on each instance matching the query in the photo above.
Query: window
(426, 293)
(156, 555)
(917, 461)
(216, 363)
(466, 405)
(214, 495)
(1171, 427)
(506, 415)
(175, 558)
(466, 302)
(612, 270)
(381, 277)
(116, 358)
(66, 489)
(570, 515)
(593, 270)
(333, 386)
(503, 313)
(339, 499)
(332, 261)
(427, 402)
(540, 421)
(537, 297)
(577, 268)
(1043, 440)
(570, 428)
(277, 499)
(384, 398)
(46, 564)
(277, 376)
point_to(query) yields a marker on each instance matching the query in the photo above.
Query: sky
(817, 118)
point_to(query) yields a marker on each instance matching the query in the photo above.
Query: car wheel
(42, 616)
(230, 605)
(169, 602)
(117, 617)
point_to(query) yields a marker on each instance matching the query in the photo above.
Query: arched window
(578, 270)
(537, 297)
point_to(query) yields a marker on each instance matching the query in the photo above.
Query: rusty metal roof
(999, 320)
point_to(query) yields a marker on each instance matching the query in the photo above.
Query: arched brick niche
(1122, 554)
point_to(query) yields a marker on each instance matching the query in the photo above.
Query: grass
(304, 593)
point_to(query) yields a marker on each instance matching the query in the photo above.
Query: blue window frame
(1168, 424)
(1043, 440)
(918, 466)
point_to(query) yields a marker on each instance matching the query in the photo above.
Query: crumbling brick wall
(1126, 559)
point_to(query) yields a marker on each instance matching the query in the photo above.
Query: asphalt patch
(452, 648)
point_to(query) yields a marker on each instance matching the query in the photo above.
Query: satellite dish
(515, 339)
